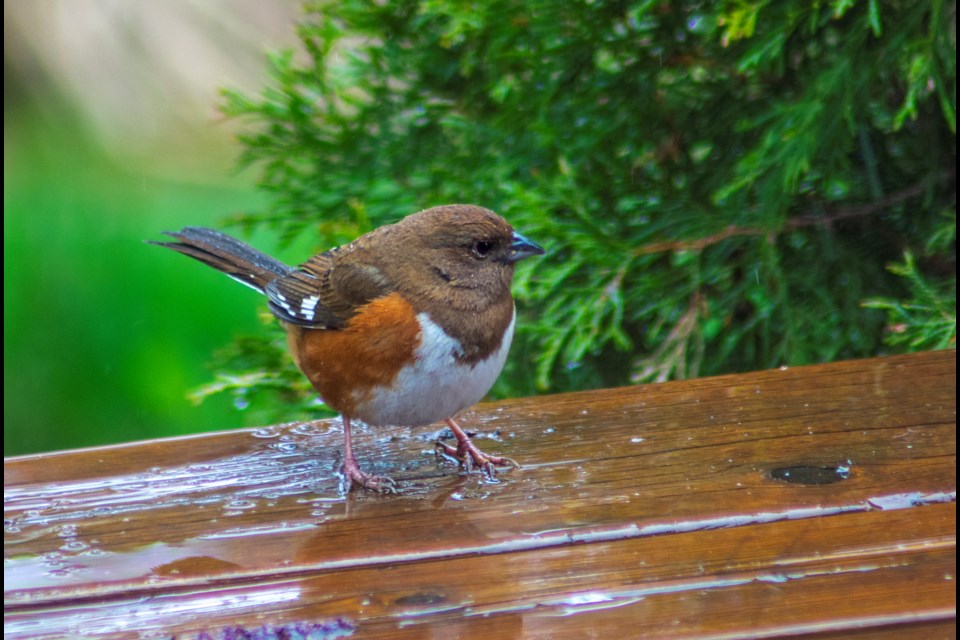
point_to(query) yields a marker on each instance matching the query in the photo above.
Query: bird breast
(437, 384)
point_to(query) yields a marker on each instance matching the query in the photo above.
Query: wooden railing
(814, 500)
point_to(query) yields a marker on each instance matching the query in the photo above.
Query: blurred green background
(112, 134)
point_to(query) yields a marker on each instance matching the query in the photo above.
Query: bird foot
(470, 457)
(353, 476)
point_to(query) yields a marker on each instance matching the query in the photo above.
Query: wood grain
(648, 511)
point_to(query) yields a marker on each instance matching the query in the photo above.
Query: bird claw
(469, 457)
(353, 476)
(370, 482)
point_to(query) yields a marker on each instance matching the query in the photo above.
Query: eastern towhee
(406, 325)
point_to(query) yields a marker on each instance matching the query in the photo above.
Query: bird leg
(469, 456)
(350, 469)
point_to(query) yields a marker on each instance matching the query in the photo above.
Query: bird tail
(238, 260)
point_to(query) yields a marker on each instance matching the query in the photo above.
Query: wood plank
(763, 581)
(609, 477)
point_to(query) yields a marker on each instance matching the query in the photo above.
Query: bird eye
(481, 248)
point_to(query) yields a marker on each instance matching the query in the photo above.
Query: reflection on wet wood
(814, 500)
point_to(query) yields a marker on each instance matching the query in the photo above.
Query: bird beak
(522, 248)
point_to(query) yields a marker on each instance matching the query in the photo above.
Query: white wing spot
(308, 306)
(283, 303)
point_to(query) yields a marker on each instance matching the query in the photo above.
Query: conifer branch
(840, 213)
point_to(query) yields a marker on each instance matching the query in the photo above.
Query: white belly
(436, 387)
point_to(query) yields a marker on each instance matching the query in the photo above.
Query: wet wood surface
(816, 501)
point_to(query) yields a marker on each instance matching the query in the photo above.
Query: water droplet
(239, 503)
(305, 429)
(265, 432)
(199, 468)
(60, 573)
(637, 440)
(811, 475)
(421, 599)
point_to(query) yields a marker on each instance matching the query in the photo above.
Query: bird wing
(324, 292)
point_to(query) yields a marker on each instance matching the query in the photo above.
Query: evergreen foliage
(719, 187)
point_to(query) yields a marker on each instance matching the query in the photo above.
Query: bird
(407, 325)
